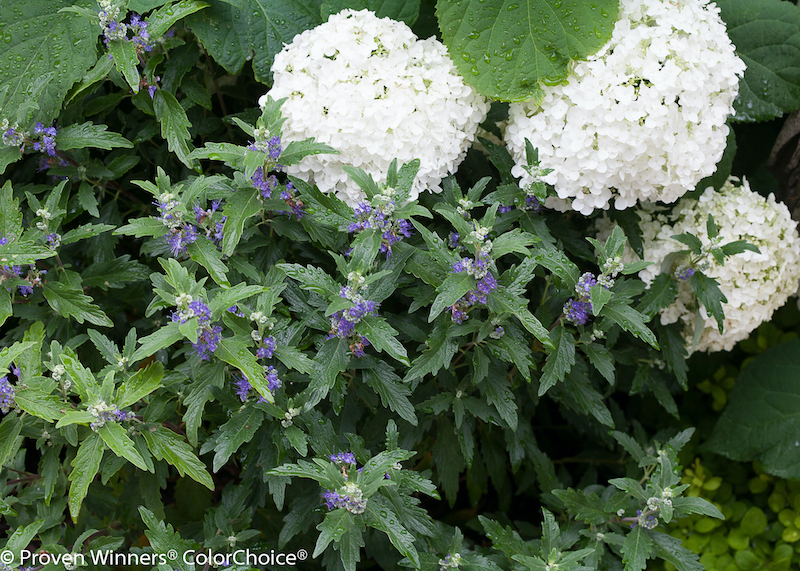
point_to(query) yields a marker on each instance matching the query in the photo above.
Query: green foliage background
(528, 451)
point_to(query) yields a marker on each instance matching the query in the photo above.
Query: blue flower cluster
(182, 233)
(292, 199)
(349, 497)
(343, 458)
(34, 277)
(378, 216)
(267, 348)
(578, 310)
(115, 29)
(104, 413)
(43, 139)
(7, 401)
(243, 386)
(343, 322)
(477, 267)
(208, 336)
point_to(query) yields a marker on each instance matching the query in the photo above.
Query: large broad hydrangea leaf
(37, 40)
(503, 48)
(401, 10)
(236, 31)
(766, 34)
(762, 420)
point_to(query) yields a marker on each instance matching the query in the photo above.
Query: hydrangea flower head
(643, 118)
(369, 88)
(755, 284)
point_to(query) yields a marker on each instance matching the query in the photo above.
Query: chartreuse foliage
(201, 353)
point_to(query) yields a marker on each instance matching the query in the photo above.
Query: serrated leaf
(453, 288)
(505, 48)
(602, 360)
(438, 354)
(293, 358)
(313, 279)
(707, 291)
(115, 273)
(394, 394)
(206, 254)
(583, 506)
(502, 301)
(238, 31)
(383, 337)
(90, 135)
(600, 296)
(766, 34)
(23, 251)
(85, 231)
(139, 385)
(174, 125)
(559, 361)
(139, 227)
(10, 428)
(126, 60)
(690, 240)
(69, 301)
(231, 435)
(38, 403)
(630, 320)
(34, 37)
(160, 21)
(380, 516)
(236, 351)
(166, 445)
(671, 549)
(296, 150)
(239, 207)
(636, 548)
(331, 359)
(22, 537)
(116, 438)
(558, 263)
(662, 292)
(84, 468)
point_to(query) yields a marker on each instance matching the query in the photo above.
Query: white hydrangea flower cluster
(643, 118)
(369, 88)
(755, 284)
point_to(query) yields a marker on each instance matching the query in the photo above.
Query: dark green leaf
(401, 10)
(331, 359)
(126, 60)
(662, 292)
(630, 320)
(174, 125)
(602, 360)
(766, 34)
(559, 361)
(243, 205)
(70, 301)
(236, 351)
(89, 135)
(707, 291)
(501, 301)
(690, 240)
(161, 339)
(38, 403)
(671, 549)
(206, 254)
(504, 49)
(34, 37)
(84, 468)
(762, 419)
(231, 435)
(166, 445)
(238, 31)
(160, 21)
(637, 547)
